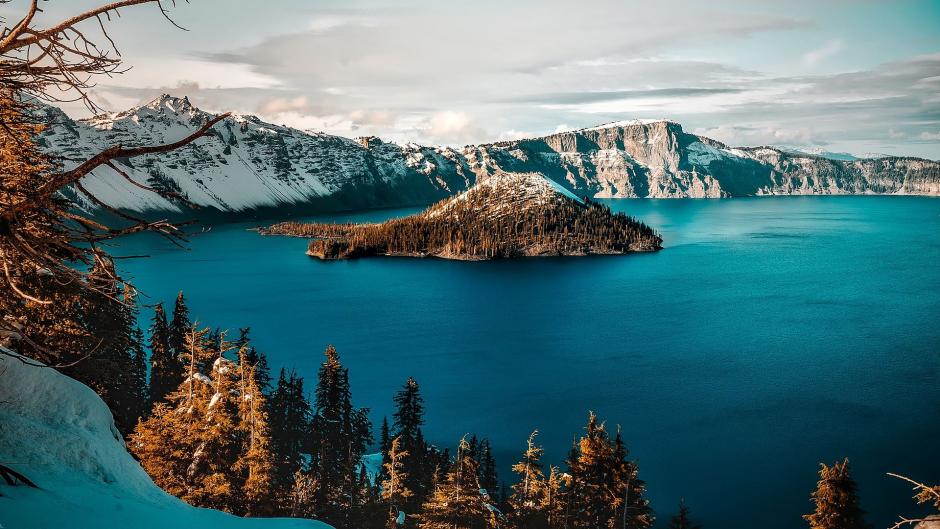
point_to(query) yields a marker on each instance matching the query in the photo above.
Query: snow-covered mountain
(58, 433)
(249, 165)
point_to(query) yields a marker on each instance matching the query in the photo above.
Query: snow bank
(60, 434)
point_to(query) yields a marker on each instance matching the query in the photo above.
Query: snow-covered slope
(249, 165)
(60, 434)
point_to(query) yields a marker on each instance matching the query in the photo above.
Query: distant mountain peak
(171, 103)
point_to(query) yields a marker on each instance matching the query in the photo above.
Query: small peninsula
(507, 215)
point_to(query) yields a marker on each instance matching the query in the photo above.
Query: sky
(857, 76)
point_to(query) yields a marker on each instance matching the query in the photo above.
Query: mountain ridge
(247, 165)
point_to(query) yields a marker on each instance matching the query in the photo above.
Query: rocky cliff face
(660, 160)
(249, 165)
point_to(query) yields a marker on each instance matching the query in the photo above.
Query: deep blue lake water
(770, 334)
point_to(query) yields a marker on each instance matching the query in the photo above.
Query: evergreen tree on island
(836, 500)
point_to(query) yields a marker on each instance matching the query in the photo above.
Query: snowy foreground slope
(248, 165)
(60, 434)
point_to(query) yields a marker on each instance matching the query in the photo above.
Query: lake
(770, 334)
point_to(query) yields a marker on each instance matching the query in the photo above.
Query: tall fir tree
(420, 464)
(682, 520)
(636, 510)
(605, 489)
(289, 419)
(394, 489)
(256, 462)
(489, 478)
(110, 315)
(836, 500)
(385, 444)
(529, 502)
(457, 502)
(339, 437)
(168, 444)
(166, 369)
(256, 358)
(208, 442)
(180, 326)
(140, 387)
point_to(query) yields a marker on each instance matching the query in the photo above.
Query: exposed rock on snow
(247, 164)
(60, 434)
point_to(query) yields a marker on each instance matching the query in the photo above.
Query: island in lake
(506, 215)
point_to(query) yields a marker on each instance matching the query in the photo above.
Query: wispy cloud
(827, 50)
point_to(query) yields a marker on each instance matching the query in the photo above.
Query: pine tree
(256, 358)
(339, 435)
(218, 444)
(168, 444)
(394, 490)
(289, 419)
(456, 502)
(529, 502)
(256, 462)
(385, 444)
(636, 511)
(681, 520)
(166, 370)
(140, 389)
(179, 326)
(836, 499)
(208, 442)
(406, 424)
(489, 479)
(303, 495)
(605, 490)
(109, 315)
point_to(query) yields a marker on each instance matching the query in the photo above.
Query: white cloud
(512, 134)
(827, 50)
(282, 105)
(930, 136)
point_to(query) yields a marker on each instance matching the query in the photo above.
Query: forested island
(505, 216)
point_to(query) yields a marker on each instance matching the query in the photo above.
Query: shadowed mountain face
(249, 166)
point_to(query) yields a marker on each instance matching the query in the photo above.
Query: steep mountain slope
(250, 165)
(60, 434)
(504, 215)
